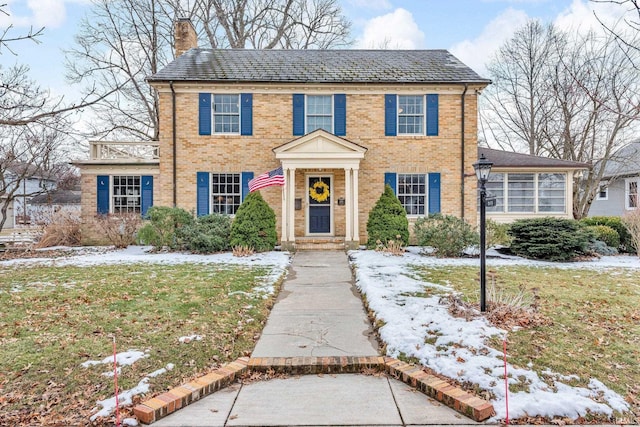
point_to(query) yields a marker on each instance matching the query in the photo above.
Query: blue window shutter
(432, 115)
(103, 194)
(340, 114)
(204, 120)
(390, 115)
(390, 178)
(434, 193)
(246, 114)
(202, 199)
(246, 177)
(146, 199)
(298, 114)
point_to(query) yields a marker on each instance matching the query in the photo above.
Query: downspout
(464, 92)
(173, 133)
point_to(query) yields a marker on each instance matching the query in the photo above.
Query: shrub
(598, 247)
(62, 229)
(497, 234)
(631, 220)
(160, 231)
(626, 242)
(447, 234)
(120, 229)
(552, 239)
(387, 220)
(207, 234)
(393, 247)
(254, 225)
(605, 234)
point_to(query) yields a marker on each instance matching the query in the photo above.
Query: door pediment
(320, 145)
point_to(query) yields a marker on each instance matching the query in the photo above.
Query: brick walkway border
(166, 403)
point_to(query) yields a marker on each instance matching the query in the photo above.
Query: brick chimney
(185, 36)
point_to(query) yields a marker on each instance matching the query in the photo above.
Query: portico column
(291, 205)
(348, 207)
(356, 195)
(285, 207)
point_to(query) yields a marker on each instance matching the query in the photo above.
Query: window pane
(225, 194)
(632, 190)
(226, 113)
(410, 114)
(495, 188)
(551, 192)
(126, 194)
(521, 193)
(319, 113)
(412, 193)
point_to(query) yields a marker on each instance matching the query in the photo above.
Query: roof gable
(320, 144)
(318, 66)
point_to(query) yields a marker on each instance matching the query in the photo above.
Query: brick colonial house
(347, 121)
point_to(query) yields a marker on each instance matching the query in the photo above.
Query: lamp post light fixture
(483, 169)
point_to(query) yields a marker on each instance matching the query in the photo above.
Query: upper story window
(410, 115)
(226, 193)
(603, 192)
(319, 113)
(631, 193)
(412, 192)
(527, 192)
(126, 194)
(226, 113)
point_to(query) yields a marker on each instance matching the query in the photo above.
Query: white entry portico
(320, 150)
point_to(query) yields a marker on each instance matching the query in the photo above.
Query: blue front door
(319, 205)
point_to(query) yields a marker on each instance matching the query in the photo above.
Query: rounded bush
(447, 234)
(160, 230)
(209, 233)
(552, 239)
(605, 234)
(254, 225)
(626, 242)
(387, 220)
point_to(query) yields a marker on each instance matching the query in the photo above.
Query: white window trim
(627, 181)
(306, 111)
(213, 114)
(536, 201)
(424, 116)
(426, 192)
(211, 174)
(112, 196)
(606, 191)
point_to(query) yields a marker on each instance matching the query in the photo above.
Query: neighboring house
(45, 206)
(346, 121)
(35, 182)
(528, 186)
(618, 192)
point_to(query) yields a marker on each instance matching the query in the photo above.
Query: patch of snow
(130, 422)
(161, 371)
(419, 326)
(189, 338)
(125, 358)
(124, 398)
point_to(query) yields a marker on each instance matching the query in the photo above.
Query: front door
(319, 195)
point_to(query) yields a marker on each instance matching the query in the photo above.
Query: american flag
(267, 179)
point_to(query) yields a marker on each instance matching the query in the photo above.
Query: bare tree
(624, 32)
(7, 36)
(565, 96)
(124, 41)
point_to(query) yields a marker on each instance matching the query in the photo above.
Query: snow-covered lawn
(411, 320)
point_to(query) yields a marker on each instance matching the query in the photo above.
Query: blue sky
(470, 29)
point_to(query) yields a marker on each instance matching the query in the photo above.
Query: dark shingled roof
(57, 197)
(318, 66)
(509, 159)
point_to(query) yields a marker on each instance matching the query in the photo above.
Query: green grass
(53, 319)
(596, 321)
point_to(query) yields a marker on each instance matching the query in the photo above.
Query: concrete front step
(320, 243)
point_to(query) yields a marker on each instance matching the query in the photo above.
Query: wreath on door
(319, 191)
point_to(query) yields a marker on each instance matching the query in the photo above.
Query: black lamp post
(483, 169)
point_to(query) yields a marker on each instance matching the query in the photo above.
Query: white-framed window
(411, 115)
(226, 113)
(226, 193)
(603, 192)
(125, 194)
(412, 192)
(319, 113)
(527, 192)
(631, 193)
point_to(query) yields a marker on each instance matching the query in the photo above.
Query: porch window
(495, 188)
(410, 115)
(412, 193)
(226, 193)
(631, 196)
(551, 192)
(126, 194)
(521, 192)
(226, 113)
(527, 192)
(319, 113)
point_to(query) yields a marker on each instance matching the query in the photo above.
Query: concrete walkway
(318, 313)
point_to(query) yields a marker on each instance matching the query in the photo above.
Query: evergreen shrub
(387, 221)
(448, 235)
(626, 241)
(552, 239)
(605, 234)
(254, 225)
(163, 222)
(207, 234)
(497, 234)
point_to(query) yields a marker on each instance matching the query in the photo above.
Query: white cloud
(477, 52)
(37, 13)
(581, 16)
(371, 4)
(395, 30)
